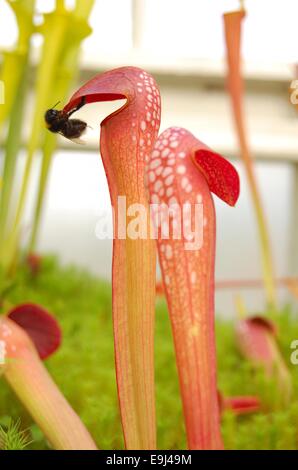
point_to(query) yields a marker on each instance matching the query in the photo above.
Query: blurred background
(182, 45)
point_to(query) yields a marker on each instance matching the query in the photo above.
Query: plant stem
(12, 146)
(64, 77)
(126, 141)
(55, 28)
(188, 275)
(33, 385)
(133, 297)
(12, 68)
(232, 23)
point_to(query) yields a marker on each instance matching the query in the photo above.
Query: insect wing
(76, 140)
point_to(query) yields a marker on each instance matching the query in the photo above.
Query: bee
(59, 122)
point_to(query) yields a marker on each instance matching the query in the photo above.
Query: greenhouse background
(165, 39)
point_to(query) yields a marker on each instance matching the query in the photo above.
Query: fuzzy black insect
(59, 122)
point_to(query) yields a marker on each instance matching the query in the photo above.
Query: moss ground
(84, 369)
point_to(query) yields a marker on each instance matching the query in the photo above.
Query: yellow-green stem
(65, 75)
(12, 146)
(12, 68)
(55, 28)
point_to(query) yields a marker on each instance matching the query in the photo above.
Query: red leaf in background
(254, 338)
(240, 405)
(42, 328)
(34, 262)
(257, 341)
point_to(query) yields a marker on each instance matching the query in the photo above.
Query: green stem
(48, 149)
(12, 70)
(55, 29)
(65, 76)
(12, 146)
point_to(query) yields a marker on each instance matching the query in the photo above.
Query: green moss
(12, 438)
(84, 369)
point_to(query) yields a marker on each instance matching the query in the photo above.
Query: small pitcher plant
(257, 340)
(28, 334)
